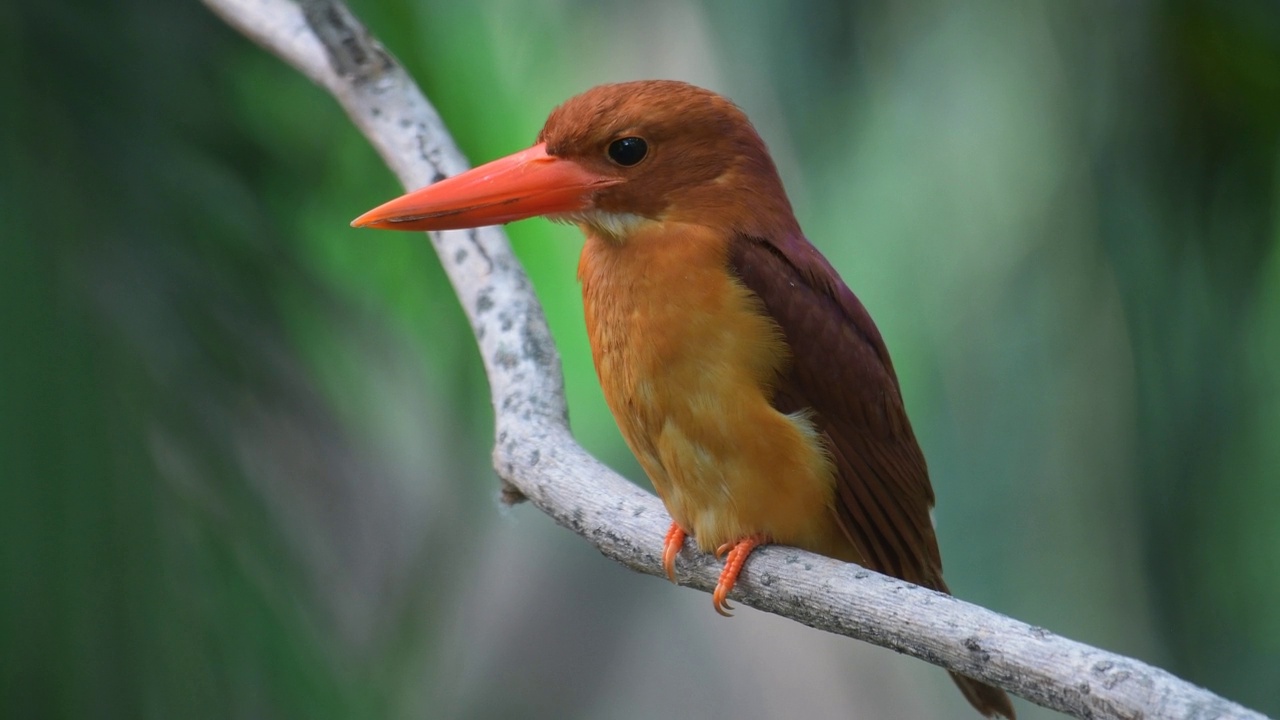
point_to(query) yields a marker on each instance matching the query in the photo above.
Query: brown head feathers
(702, 163)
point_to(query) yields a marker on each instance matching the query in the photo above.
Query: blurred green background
(244, 448)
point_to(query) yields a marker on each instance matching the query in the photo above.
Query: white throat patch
(616, 226)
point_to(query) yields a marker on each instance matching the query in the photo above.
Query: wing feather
(840, 373)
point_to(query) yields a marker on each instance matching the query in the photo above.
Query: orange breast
(685, 356)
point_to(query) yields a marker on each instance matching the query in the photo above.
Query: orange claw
(670, 548)
(738, 552)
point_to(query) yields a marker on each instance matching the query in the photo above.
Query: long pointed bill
(515, 187)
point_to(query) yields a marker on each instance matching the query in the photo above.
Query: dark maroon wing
(841, 374)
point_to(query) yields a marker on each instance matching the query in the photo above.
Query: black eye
(628, 151)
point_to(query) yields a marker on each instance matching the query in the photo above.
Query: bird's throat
(612, 227)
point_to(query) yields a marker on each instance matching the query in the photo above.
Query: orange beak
(515, 187)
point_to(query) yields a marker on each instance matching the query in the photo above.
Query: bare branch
(538, 459)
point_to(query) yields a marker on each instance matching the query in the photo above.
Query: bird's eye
(628, 151)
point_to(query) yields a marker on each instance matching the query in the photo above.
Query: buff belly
(687, 358)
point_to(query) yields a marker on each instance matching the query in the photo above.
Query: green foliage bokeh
(244, 448)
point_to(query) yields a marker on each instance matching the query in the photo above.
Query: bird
(749, 381)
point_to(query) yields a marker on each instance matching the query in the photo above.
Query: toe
(671, 545)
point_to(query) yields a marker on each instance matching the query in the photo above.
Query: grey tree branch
(538, 459)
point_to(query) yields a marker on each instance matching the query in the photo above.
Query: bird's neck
(662, 299)
(653, 274)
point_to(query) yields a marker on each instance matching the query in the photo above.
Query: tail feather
(985, 699)
(990, 701)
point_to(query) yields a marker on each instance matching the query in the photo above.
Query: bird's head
(614, 159)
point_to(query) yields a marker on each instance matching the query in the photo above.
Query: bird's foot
(671, 545)
(737, 556)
